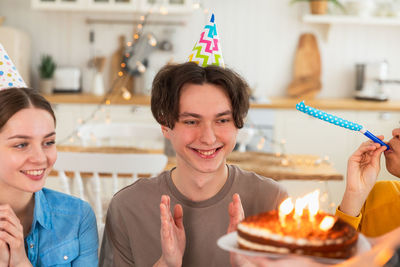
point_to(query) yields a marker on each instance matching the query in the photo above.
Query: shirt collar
(42, 211)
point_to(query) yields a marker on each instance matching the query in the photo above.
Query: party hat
(9, 76)
(207, 51)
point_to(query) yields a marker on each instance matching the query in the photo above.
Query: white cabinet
(141, 6)
(113, 5)
(59, 4)
(167, 6)
(307, 135)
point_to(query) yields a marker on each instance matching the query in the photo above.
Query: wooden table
(277, 167)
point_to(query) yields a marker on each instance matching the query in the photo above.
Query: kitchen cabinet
(304, 134)
(328, 20)
(59, 4)
(143, 6)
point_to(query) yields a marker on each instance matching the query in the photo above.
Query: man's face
(205, 132)
(393, 155)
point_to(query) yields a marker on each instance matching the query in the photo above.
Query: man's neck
(199, 186)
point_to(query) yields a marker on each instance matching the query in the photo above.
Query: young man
(200, 110)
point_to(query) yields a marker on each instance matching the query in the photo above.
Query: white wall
(259, 39)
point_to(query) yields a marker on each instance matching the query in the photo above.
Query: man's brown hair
(168, 83)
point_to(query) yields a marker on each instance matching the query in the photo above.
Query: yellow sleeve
(353, 221)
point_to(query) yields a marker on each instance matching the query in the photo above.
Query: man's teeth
(207, 153)
(35, 172)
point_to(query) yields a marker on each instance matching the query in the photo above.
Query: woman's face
(205, 132)
(392, 156)
(27, 150)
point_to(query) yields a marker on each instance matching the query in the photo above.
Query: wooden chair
(94, 164)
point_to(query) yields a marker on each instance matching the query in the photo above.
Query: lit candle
(285, 208)
(327, 223)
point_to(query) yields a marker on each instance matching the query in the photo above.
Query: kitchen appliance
(371, 79)
(67, 80)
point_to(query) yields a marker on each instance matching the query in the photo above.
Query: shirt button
(31, 245)
(65, 257)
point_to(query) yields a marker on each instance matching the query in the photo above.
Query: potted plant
(46, 72)
(319, 7)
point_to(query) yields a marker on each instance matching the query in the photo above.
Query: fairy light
(152, 40)
(141, 67)
(125, 93)
(163, 10)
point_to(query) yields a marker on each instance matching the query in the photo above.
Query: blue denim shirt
(63, 233)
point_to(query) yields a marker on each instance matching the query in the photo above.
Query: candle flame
(327, 223)
(286, 207)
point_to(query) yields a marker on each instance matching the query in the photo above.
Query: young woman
(38, 226)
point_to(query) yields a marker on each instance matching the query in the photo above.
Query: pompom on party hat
(9, 75)
(207, 51)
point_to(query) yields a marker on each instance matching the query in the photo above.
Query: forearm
(352, 203)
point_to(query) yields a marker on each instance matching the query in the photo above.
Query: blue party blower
(338, 121)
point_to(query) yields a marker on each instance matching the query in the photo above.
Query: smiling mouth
(207, 152)
(34, 172)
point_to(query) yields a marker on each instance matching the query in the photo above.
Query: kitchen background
(259, 40)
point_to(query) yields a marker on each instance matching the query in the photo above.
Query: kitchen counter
(275, 102)
(277, 167)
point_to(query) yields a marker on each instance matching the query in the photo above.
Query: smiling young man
(200, 110)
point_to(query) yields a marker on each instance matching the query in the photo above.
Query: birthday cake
(323, 236)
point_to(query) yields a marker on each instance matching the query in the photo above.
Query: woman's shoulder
(64, 203)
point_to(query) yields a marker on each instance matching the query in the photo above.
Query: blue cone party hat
(207, 51)
(9, 75)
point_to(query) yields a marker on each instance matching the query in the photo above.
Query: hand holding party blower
(338, 121)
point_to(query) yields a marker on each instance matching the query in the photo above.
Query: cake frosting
(266, 232)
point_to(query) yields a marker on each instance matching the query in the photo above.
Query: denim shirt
(63, 232)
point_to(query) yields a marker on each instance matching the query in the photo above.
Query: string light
(126, 94)
(163, 10)
(141, 67)
(152, 40)
(124, 91)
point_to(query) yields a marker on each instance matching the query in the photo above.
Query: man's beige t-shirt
(132, 231)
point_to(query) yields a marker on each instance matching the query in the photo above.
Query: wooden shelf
(93, 99)
(326, 21)
(335, 19)
(331, 103)
(274, 102)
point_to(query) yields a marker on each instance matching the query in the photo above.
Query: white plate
(229, 242)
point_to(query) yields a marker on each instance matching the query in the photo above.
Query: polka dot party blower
(9, 76)
(338, 121)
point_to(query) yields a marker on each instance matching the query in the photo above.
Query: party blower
(338, 121)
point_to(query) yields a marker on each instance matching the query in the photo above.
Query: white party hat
(9, 75)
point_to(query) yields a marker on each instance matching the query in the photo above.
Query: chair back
(142, 135)
(110, 163)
